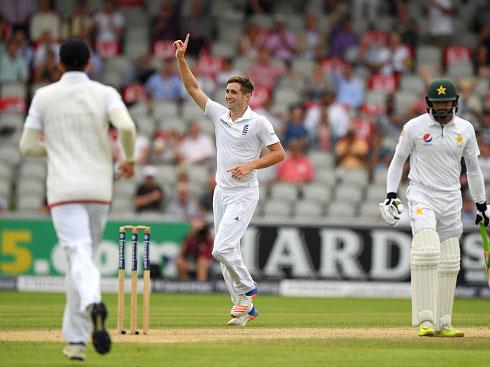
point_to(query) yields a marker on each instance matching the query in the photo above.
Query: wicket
(134, 279)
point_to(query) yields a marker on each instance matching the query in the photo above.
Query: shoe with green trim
(450, 332)
(426, 329)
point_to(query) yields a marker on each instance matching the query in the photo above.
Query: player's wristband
(391, 195)
(481, 207)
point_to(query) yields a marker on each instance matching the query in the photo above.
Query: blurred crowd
(337, 77)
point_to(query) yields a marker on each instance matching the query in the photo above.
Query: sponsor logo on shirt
(245, 130)
(225, 122)
(427, 139)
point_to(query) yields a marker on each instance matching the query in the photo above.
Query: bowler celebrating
(436, 142)
(240, 135)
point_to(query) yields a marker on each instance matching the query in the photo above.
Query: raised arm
(189, 80)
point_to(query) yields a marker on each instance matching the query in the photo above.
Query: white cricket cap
(149, 171)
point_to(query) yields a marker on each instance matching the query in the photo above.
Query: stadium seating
(334, 192)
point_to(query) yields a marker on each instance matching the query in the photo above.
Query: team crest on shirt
(245, 130)
(459, 139)
(427, 138)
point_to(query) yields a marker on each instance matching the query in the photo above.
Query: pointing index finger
(186, 41)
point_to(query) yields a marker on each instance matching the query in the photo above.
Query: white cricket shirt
(73, 113)
(435, 151)
(238, 142)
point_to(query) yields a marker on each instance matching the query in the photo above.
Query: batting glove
(391, 209)
(482, 214)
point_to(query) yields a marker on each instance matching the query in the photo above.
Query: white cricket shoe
(242, 320)
(244, 304)
(75, 352)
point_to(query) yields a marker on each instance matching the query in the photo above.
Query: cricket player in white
(73, 115)
(240, 135)
(436, 142)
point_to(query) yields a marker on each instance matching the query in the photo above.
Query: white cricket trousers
(79, 228)
(233, 209)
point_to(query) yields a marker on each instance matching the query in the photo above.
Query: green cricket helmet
(441, 90)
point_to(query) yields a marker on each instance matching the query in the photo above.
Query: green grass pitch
(42, 312)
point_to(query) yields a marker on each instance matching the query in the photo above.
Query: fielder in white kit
(436, 142)
(240, 135)
(73, 114)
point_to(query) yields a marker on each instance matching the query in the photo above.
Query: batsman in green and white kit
(436, 142)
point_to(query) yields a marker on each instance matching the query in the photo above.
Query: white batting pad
(447, 272)
(425, 252)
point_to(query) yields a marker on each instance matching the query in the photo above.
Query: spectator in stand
(196, 147)
(183, 206)
(5, 29)
(264, 73)
(350, 90)
(94, 69)
(333, 9)
(311, 41)
(254, 7)
(49, 71)
(485, 125)
(108, 23)
(206, 199)
(165, 85)
(481, 17)
(295, 127)
(165, 145)
(196, 252)
(395, 58)
(197, 22)
(323, 139)
(365, 10)
(46, 43)
(45, 19)
(342, 37)
(79, 24)
(338, 118)
(483, 52)
(484, 160)
(390, 121)
(24, 46)
(379, 155)
(468, 210)
(13, 67)
(366, 55)
(226, 72)
(441, 19)
(165, 24)
(296, 168)
(275, 118)
(470, 105)
(317, 84)
(406, 25)
(251, 41)
(206, 82)
(18, 11)
(149, 195)
(351, 151)
(139, 72)
(281, 42)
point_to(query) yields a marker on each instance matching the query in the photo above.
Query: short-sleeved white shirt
(238, 142)
(436, 151)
